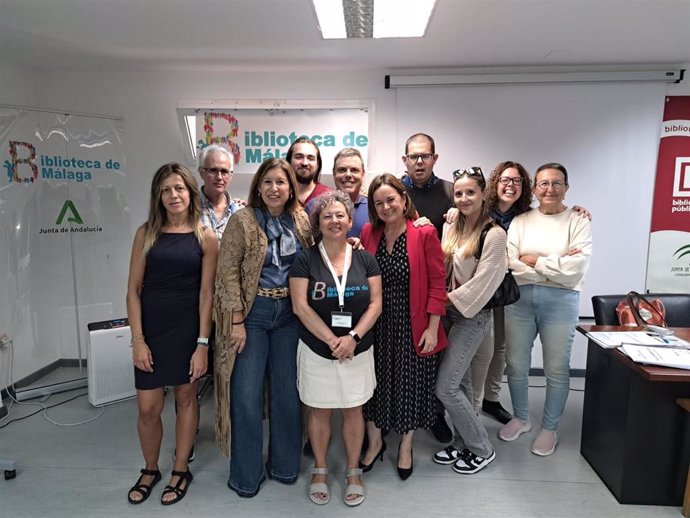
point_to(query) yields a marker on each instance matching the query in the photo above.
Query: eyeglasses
(470, 171)
(214, 171)
(426, 157)
(556, 185)
(507, 180)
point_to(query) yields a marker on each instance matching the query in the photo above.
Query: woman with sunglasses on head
(408, 333)
(507, 195)
(549, 250)
(474, 250)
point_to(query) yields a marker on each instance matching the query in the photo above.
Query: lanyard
(339, 284)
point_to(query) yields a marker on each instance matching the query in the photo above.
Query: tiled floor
(86, 471)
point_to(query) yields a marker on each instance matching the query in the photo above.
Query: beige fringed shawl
(242, 252)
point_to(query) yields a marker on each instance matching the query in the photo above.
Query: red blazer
(427, 276)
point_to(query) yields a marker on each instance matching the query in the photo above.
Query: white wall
(147, 101)
(19, 85)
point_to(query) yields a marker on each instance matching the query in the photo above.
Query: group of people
(316, 299)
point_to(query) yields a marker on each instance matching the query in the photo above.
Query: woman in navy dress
(169, 298)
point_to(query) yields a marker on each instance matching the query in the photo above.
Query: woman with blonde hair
(169, 298)
(474, 250)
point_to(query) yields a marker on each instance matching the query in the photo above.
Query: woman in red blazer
(408, 333)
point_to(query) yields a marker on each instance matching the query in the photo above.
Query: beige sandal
(356, 490)
(318, 489)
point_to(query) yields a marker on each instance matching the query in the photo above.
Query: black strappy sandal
(144, 489)
(177, 489)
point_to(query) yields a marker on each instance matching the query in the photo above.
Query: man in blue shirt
(348, 176)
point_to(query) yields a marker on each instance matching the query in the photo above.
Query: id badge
(341, 319)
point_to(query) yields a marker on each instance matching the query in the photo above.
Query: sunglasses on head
(475, 172)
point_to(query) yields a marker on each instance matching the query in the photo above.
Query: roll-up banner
(65, 231)
(668, 265)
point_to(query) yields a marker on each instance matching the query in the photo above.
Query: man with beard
(305, 158)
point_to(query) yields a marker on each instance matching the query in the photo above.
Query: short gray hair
(324, 200)
(215, 148)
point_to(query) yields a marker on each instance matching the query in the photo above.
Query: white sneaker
(514, 429)
(545, 443)
(469, 463)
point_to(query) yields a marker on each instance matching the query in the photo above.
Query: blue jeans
(553, 313)
(270, 352)
(454, 380)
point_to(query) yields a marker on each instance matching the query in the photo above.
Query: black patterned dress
(404, 395)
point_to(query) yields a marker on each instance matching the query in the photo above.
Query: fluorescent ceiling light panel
(396, 19)
(373, 18)
(331, 19)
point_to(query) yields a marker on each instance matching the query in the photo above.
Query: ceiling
(283, 35)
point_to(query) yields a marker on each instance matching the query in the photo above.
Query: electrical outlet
(4, 340)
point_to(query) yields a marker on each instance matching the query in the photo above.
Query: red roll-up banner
(668, 264)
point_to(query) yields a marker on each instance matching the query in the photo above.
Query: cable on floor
(43, 408)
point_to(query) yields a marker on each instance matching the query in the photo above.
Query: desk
(632, 430)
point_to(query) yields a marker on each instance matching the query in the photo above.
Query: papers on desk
(664, 356)
(612, 339)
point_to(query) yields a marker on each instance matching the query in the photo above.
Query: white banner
(65, 231)
(253, 135)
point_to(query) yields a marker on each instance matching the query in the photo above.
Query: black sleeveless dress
(170, 309)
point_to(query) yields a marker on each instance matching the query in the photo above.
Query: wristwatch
(354, 336)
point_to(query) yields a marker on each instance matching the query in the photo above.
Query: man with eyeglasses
(305, 158)
(215, 169)
(432, 198)
(431, 195)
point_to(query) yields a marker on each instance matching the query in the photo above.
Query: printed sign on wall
(668, 267)
(253, 135)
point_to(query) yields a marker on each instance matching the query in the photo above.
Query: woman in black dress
(169, 297)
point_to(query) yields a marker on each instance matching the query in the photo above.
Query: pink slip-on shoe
(514, 429)
(545, 443)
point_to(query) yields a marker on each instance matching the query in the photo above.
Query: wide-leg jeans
(270, 352)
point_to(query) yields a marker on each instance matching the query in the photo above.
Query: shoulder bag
(635, 310)
(508, 292)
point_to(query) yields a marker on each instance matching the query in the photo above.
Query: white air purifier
(109, 368)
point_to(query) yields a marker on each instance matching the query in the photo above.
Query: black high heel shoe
(379, 456)
(404, 473)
